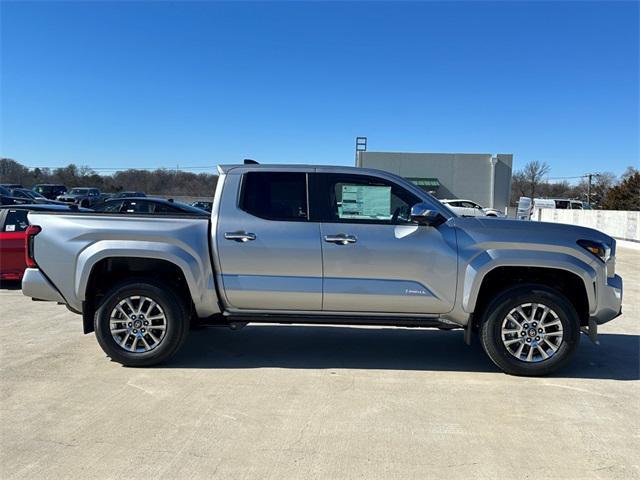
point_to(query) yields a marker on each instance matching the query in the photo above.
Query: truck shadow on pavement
(311, 347)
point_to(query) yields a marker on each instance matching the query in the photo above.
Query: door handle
(341, 239)
(240, 236)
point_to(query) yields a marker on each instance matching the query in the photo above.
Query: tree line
(607, 191)
(153, 182)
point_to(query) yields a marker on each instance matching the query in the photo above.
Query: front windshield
(78, 191)
(31, 194)
(190, 208)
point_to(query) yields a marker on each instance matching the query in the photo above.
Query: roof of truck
(292, 166)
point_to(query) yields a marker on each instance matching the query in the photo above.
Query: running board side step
(287, 318)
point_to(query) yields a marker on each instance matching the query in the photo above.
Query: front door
(374, 258)
(268, 249)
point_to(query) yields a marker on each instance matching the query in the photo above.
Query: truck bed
(70, 244)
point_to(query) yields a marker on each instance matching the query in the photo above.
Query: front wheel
(530, 330)
(141, 322)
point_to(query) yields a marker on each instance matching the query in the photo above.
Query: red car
(13, 226)
(12, 243)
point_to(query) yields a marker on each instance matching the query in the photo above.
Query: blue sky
(116, 84)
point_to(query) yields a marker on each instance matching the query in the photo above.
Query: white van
(526, 211)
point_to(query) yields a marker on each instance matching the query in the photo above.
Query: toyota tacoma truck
(325, 245)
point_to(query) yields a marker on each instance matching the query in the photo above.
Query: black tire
(510, 298)
(175, 312)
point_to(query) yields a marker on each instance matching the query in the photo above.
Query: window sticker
(365, 201)
(10, 228)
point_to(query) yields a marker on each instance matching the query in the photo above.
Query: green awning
(425, 183)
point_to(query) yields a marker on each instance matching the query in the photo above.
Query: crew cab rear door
(374, 258)
(268, 250)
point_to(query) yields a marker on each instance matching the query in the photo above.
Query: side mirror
(423, 215)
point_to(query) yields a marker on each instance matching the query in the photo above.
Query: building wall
(617, 223)
(461, 175)
(502, 184)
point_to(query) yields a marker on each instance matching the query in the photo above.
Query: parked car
(469, 208)
(208, 206)
(148, 205)
(50, 190)
(13, 227)
(30, 196)
(7, 198)
(127, 195)
(11, 185)
(83, 196)
(326, 245)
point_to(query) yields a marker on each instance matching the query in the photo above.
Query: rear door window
(275, 195)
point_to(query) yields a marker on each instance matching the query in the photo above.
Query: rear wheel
(530, 330)
(141, 322)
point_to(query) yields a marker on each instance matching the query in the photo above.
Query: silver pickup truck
(325, 245)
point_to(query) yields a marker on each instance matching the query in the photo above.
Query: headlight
(598, 249)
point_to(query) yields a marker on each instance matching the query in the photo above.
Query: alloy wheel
(138, 324)
(532, 332)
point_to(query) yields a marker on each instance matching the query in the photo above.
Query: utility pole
(590, 177)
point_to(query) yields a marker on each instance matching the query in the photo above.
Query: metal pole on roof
(361, 146)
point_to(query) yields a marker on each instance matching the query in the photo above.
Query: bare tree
(595, 195)
(533, 173)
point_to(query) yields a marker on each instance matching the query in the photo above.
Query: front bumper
(36, 285)
(609, 301)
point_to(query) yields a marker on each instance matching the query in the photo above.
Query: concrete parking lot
(289, 402)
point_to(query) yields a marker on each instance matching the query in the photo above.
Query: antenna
(249, 161)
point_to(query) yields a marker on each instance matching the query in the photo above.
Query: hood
(490, 233)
